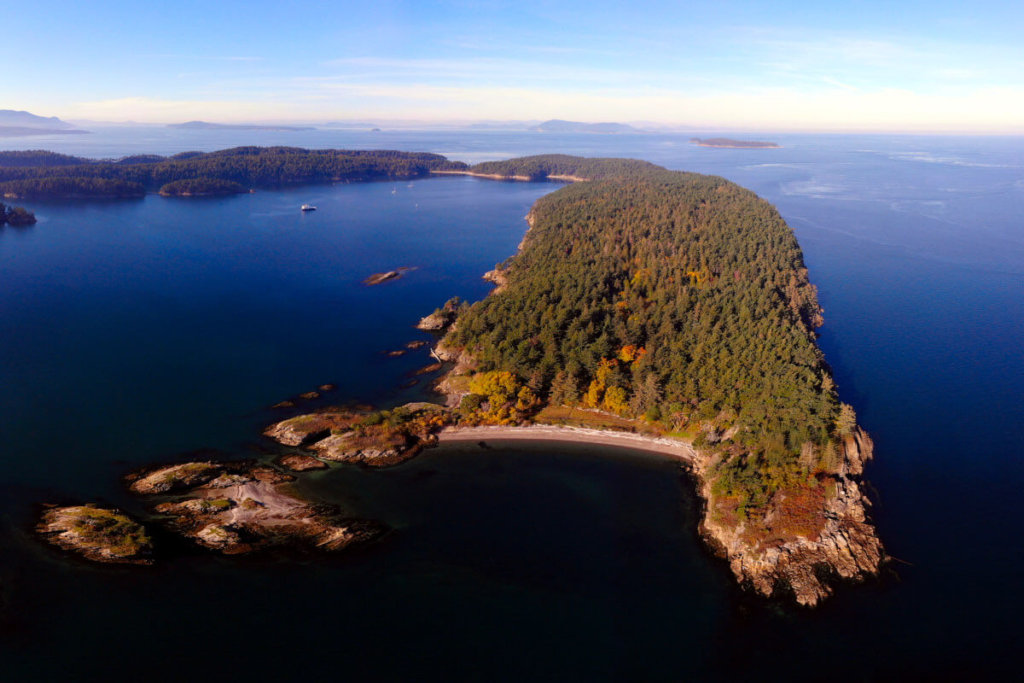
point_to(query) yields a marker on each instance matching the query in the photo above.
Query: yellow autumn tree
(595, 391)
(615, 400)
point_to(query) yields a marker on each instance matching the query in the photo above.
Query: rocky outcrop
(436, 321)
(246, 507)
(173, 477)
(844, 546)
(304, 429)
(369, 438)
(499, 277)
(95, 533)
(375, 452)
(442, 318)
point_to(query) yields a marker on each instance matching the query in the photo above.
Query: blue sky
(784, 65)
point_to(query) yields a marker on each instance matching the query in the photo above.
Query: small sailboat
(308, 207)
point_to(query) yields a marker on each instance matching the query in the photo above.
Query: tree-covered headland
(677, 301)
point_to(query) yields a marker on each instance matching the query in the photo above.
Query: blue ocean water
(134, 332)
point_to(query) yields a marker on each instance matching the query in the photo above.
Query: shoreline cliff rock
(845, 547)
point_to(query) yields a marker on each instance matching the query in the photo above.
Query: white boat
(308, 207)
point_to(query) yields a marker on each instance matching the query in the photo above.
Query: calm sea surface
(135, 332)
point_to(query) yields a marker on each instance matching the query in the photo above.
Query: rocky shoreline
(846, 547)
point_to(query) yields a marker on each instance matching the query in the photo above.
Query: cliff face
(845, 547)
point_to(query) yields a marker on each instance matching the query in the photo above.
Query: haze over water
(136, 331)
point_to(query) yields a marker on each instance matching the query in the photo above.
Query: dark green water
(135, 332)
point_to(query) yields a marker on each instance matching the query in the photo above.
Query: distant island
(21, 123)
(560, 126)
(205, 125)
(729, 142)
(48, 175)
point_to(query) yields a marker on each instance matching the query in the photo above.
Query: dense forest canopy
(201, 186)
(45, 174)
(673, 297)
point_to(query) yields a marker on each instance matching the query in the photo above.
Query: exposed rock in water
(427, 369)
(310, 395)
(300, 463)
(99, 534)
(395, 354)
(417, 344)
(378, 278)
(845, 546)
(246, 507)
(327, 387)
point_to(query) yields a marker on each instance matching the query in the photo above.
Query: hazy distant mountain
(10, 117)
(18, 123)
(204, 125)
(504, 125)
(559, 126)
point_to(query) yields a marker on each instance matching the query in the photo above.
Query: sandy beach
(676, 448)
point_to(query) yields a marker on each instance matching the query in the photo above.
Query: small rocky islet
(240, 507)
(97, 533)
(245, 506)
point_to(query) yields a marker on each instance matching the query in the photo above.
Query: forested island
(48, 175)
(678, 304)
(669, 309)
(730, 143)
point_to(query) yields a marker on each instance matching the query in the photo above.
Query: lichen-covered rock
(99, 534)
(175, 477)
